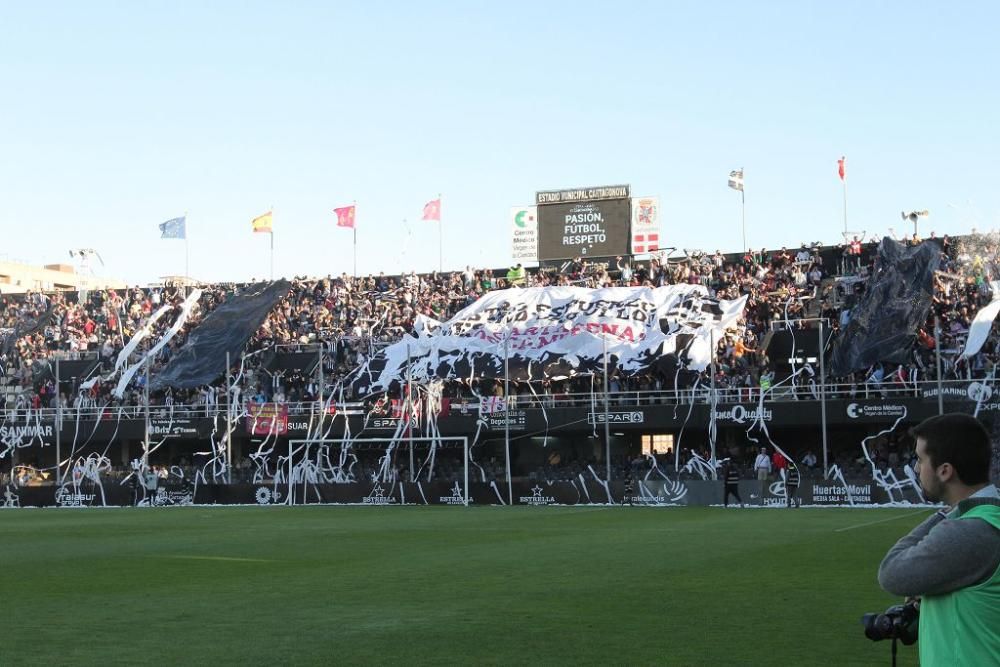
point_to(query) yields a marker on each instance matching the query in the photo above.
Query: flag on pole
(842, 168)
(174, 228)
(262, 223)
(432, 210)
(736, 179)
(345, 216)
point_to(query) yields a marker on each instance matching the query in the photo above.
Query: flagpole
(844, 180)
(743, 209)
(354, 227)
(440, 237)
(272, 249)
(186, 256)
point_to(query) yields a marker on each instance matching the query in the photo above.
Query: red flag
(842, 168)
(432, 210)
(345, 216)
(643, 243)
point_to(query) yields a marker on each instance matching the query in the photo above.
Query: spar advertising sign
(584, 222)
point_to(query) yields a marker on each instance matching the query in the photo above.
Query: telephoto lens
(897, 622)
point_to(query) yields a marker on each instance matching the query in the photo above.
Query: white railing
(465, 404)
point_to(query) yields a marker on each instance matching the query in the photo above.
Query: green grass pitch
(444, 585)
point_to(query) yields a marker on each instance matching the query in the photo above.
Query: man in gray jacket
(951, 561)
(151, 481)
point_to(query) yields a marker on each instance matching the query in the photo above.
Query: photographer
(951, 561)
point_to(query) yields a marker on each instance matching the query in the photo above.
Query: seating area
(345, 320)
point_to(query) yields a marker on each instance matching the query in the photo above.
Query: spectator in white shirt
(762, 466)
(809, 460)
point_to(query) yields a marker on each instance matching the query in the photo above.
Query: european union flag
(173, 229)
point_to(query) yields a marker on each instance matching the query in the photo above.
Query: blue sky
(117, 116)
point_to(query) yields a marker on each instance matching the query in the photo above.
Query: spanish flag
(262, 223)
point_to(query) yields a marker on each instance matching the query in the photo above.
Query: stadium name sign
(583, 194)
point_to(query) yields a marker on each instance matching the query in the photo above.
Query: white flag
(190, 302)
(979, 330)
(736, 180)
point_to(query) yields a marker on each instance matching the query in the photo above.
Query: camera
(897, 622)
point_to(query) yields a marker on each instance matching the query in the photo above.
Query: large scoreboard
(584, 222)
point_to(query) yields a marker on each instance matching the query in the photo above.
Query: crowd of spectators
(350, 318)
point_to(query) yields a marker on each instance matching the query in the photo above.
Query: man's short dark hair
(960, 440)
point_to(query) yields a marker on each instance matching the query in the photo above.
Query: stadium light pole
(229, 425)
(713, 401)
(322, 380)
(743, 215)
(407, 407)
(607, 407)
(937, 362)
(607, 415)
(145, 391)
(820, 349)
(58, 428)
(822, 395)
(506, 403)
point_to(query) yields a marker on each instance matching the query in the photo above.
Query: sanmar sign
(26, 431)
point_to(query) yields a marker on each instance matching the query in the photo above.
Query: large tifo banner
(26, 326)
(558, 332)
(589, 222)
(225, 329)
(897, 299)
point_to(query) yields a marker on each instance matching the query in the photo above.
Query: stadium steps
(827, 288)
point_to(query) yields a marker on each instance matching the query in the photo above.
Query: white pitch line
(219, 558)
(872, 523)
